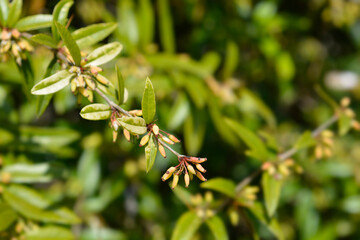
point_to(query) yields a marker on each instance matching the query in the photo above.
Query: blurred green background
(257, 62)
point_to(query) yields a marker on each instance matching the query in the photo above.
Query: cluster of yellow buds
(186, 166)
(324, 145)
(114, 124)
(247, 195)
(13, 44)
(345, 103)
(202, 204)
(283, 169)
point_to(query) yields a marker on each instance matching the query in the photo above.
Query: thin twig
(111, 103)
(168, 147)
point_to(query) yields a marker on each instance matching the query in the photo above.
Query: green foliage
(148, 104)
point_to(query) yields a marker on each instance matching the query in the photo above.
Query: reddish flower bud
(162, 150)
(191, 169)
(187, 179)
(144, 140)
(168, 173)
(200, 168)
(126, 134)
(200, 176)
(173, 138)
(155, 129)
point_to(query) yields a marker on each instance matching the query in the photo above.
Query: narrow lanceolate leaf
(104, 54)
(7, 216)
(148, 103)
(217, 228)
(306, 140)
(34, 22)
(14, 12)
(121, 86)
(344, 124)
(272, 189)
(50, 233)
(186, 226)
(69, 43)
(60, 14)
(135, 125)
(258, 148)
(150, 154)
(222, 185)
(96, 111)
(53, 83)
(44, 39)
(4, 11)
(92, 34)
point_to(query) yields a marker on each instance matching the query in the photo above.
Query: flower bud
(5, 35)
(167, 140)
(345, 102)
(6, 177)
(318, 152)
(299, 169)
(209, 197)
(283, 169)
(209, 213)
(155, 129)
(102, 79)
(355, 125)
(81, 81)
(73, 85)
(168, 173)
(74, 69)
(90, 95)
(15, 33)
(191, 169)
(126, 134)
(114, 124)
(15, 50)
(115, 134)
(187, 179)
(200, 176)
(162, 151)
(90, 83)
(200, 168)
(137, 113)
(84, 92)
(349, 112)
(289, 162)
(327, 134)
(196, 159)
(327, 152)
(265, 166)
(173, 138)
(175, 181)
(144, 140)
(95, 70)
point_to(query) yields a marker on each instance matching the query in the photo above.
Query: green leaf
(150, 154)
(121, 86)
(14, 12)
(148, 103)
(4, 11)
(69, 43)
(34, 22)
(194, 132)
(186, 226)
(102, 234)
(33, 197)
(321, 92)
(145, 17)
(92, 34)
(306, 140)
(53, 83)
(44, 39)
(272, 190)
(25, 208)
(167, 37)
(7, 216)
(222, 185)
(258, 148)
(96, 111)
(60, 14)
(217, 228)
(27, 173)
(231, 60)
(344, 124)
(89, 171)
(135, 125)
(103, 54)
(285, 68)
(50, 233)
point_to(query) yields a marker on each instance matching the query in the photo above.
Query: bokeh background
(258, 62)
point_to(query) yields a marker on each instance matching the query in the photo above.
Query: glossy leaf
(167, 37)
(285, 68)
(96, 111)
(135, 125)
(145, 16)
(104, 54)
(258, 148)
(26, 173)
(53, 83)
(4, 11)
(150, 154)
(148, 103)
(89, 171)
(60, 14)
(306, 140)
(69, 43)
(186, 226)
(14, 12)
(7, 216)
(92, 34)
(222, 185)
(33, 197)
(217, 228)
(121, 86)
(44, 39)
(194, 132)
(272, 190)
(50, 233)
(34, 22)
(231, 60)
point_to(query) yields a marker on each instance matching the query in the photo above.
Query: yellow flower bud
(126, 134)
(318, 152)
(6, 177)
(167, 140)
(187, 179)
(168, 173)
(102, 79)
(162, 150)
(15, 33)
(345, 102)
(200, 168)
(90, 95)
(90, 83)
(144, 140)
(175, 181)
(173, 138)
(73, 85)
(200, 176)
(191, 169)
(81, 81)
(155, 129)
(115, 134)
